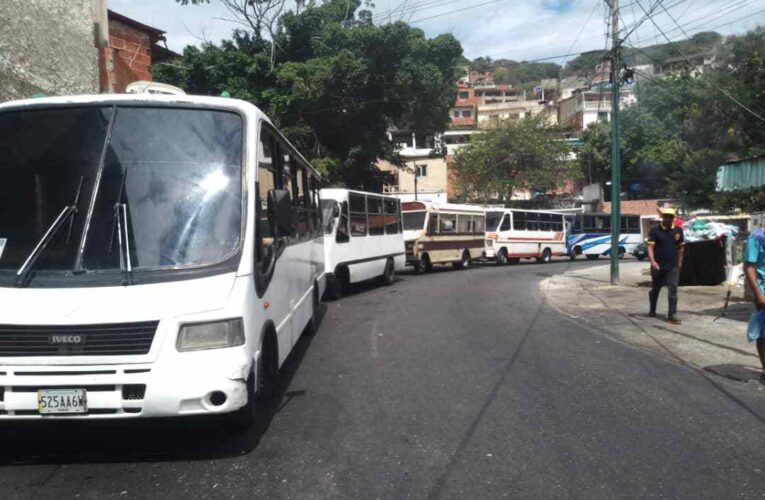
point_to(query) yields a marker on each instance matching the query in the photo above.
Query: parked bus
(590, 235)
(363, 238)
(160, 256)
(442, 233)
(512, 235)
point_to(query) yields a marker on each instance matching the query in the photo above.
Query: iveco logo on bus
(66, 339)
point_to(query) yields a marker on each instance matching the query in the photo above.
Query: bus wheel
(388, 275)
(313, 324)
(621, 252)
(502, 258)
(464, 262)
(424, 265)
(337, 284)
(546, 256)
(593, 257)
(244, 418)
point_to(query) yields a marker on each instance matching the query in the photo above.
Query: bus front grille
(122, 339)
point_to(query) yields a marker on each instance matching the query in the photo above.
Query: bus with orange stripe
(512, 235)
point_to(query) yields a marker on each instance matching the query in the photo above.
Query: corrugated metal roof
(741, 175)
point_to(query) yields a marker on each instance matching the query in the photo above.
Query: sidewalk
(706, 339)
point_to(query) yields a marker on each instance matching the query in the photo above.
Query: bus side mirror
(336, 211)
(280, 214)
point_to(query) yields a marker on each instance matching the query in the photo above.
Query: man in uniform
(665, 252)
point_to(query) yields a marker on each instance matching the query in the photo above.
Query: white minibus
(363, 238)
(160, 256)
(512, 235)
(442, 233)
(590, 235)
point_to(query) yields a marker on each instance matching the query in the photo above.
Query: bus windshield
(493, 219)
(175, 172)
(414, 220)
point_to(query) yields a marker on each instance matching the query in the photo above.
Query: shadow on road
(739, 373)
(169, 439)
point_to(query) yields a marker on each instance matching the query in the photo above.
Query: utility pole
(615, 150)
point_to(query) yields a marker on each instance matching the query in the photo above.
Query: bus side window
(505, 226)
(479, 224)
(358, 210)
(391, 216)
(432, 223)
(342, 235)
(464, 224)
(375, 215)
(519, 221)
(447, 223)
(267, 180)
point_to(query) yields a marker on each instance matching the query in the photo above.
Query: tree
(685, 126)
(338, 83)
(501, 75)
(511, 156)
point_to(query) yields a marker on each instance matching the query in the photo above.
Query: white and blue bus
(589, 234)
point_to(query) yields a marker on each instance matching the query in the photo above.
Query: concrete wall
(47, 46)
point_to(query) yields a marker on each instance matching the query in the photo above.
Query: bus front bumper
(190, 383)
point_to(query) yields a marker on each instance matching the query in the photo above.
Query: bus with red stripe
(512, 235)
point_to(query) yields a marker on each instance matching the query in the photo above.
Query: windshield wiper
(68, 212)
(23, 272)
(123, 237)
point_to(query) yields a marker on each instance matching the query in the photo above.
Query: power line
(584, 26)
(452, 12)
(720, 89)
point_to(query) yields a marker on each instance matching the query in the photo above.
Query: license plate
(58, 401)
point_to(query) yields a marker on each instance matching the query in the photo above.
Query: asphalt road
(457, 384)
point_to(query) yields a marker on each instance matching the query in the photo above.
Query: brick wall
(635, 207)
(128, 58)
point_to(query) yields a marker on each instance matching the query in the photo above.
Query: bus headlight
(211, 335)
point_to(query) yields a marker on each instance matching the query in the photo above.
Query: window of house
(358, 214)
(467, 113)
(422, 170)
(456, 114)
(464, 95)
(375, 216)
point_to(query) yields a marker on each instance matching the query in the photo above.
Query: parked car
(641, 251)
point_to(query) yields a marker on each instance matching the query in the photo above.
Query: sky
(500, 29)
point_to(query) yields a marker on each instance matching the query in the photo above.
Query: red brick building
(133, 48)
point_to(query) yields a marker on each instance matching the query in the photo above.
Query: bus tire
(245, 417)
(464, 261)
(575, 252)
(424, 265)
(388, 276)
(337, 284)
(622, 251)
(592, 257)
(313, 323)
(546, 256)
(502, 257)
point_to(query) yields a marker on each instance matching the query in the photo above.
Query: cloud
(518, 29)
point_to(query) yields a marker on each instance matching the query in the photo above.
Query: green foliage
(684, 128)
(514, 72)
(509, 156)
(336, 85)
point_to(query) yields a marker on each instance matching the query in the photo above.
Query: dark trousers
(670, 279)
